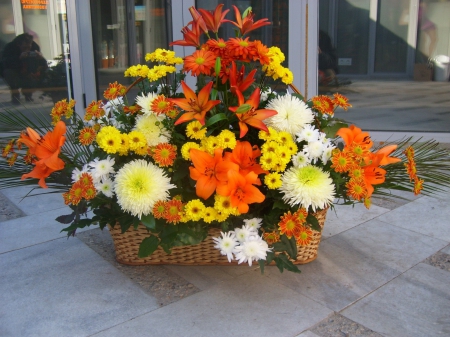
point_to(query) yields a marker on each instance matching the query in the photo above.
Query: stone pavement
(380, 272)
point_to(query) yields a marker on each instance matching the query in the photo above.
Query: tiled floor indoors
(380, 272)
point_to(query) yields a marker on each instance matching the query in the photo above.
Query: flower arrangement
(230, 154)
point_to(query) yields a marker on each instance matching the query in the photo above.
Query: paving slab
(426, 215)
(34, 201)
(415, 304)
(344, 217)
(63, 288)
(356, 262)
(338, 325)
(30, 230)
(248, 305)
(8, 210)
(308, 334)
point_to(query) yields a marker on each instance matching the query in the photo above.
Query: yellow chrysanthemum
(138, 70)
(210, 144)
(209, 215)
(124, 144)
(268, 161)
(136, 140)
(109, 139)
(194, 210)
(223, 205)
(186, 148)
(194, 130)
(273, 180)
(227, 139)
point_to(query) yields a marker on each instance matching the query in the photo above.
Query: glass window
(34, 49)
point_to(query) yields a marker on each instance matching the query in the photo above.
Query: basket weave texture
(204, 253)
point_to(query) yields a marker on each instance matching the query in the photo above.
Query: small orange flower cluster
(326, 105)
(271, 237)
(162, 105)
(294, 225)
(171, 210)
(132, 109)
(8, 150)
(412, 171)
(62, 108)
(164, 154)
(94, 110)
(361, 165)
(114, 90)
(82, 189)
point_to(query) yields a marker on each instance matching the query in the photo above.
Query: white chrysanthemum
(101, 168)
(106, 187)
(151, 127)
(314, 150)
(76, 173)
(307, 186)
(309, 133)
(227, 243)
(293, 114)
(138, 185)
(242, 234)
(327, 152)
(301, 159)
(254, 249)
(254, 223)
(145, 102)
(114, 105)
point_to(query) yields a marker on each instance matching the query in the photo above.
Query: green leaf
(331, 130)
(214, 93)
(148, 221)
(65, 219)
(269, 257)
(215, 119)
(283, 262)
(314, 224)
(279, 247)
(148, 246)
(243, 108)
(280, 204)
(291, 246)
(262, 265)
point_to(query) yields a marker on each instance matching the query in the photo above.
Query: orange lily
(373, 174)
(194, 107)
(241, 191)
(214, 20)
(245, 156)
(354, 134)
(191, 37)
(47, 150)
(209, 171)
(237, 81)
(386, 151)
(198, 19)
(247, 25)
(247, 114)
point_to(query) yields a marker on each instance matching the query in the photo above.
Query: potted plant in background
(54, 84)
(227, 172)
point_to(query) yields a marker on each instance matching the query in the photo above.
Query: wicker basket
(204, 253)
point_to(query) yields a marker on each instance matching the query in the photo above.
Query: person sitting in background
(327, 59)
(23, 67)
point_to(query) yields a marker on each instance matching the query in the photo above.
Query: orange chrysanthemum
(289, 225)
(218, 47)
(357, 151)
(76, 193)
(164, 154)
(87, 135)
(174, 211)
(114, 90)
(159, 209)
(262, 52)
(418, 185)
(62, 108)
(304, 236)
(8, 148)
(67, 198)
(341, 101)
(271, 237)
(356, 172)
(323, 104)
(409, 152)
(411, 169)
(89, 192)
(241, 49)
(301, 215)
(132, 109)
(341, 161)
(94, 110)
(86, 179)
(356, 189)
(200, 62)
(161, 105)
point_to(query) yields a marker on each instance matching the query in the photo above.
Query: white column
(303, 44)
(81, 53)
